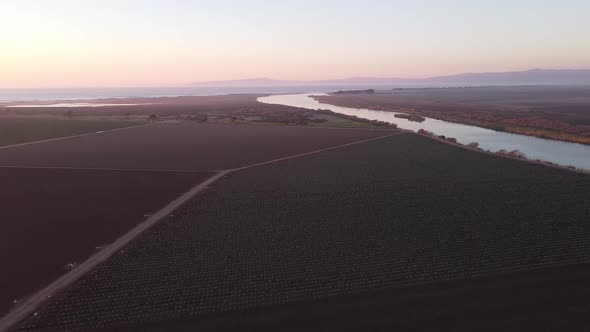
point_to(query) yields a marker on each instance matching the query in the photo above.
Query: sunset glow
(59, 43)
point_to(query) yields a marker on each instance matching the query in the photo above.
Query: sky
(83, 43)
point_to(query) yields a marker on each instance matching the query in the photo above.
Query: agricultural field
(15, 130)
(53, 217)
(183, 146)
(365, 224)
(65, 199)
(552, 299)
(555, 112)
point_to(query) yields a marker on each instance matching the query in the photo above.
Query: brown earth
(365, 237)
(182, 146)
(54, 217)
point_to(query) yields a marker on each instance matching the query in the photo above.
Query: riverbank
(497, 126)
(536, 149)
(557, 113)
(514, 155)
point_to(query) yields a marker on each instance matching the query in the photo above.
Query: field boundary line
(107, 169)
(491, 153)
(399, 132)
(73, 136)
(29, 305)
(253, 124)
(33, 302)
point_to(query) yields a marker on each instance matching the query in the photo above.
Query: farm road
(28, 306)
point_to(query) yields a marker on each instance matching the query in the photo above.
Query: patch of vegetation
(286, 116)
(389, 213)
(335, 121)
(355, 92)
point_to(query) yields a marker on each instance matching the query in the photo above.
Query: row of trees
(513, 153)
(355, 118)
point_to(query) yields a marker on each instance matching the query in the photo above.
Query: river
(562, 153)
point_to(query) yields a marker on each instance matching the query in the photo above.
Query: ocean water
(9, 95)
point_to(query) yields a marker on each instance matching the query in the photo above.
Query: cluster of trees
(411, 117)
(285, 117)
(198, 117)
(426, 133)
(513, 153)
(355, 92)
(443, 137)
(355, 118)
(290, 116)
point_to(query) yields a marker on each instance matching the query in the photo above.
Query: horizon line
(278, 80)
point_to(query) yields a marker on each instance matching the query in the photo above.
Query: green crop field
(22, 130)
(389, 213)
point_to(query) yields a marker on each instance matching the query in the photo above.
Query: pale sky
(83, 43)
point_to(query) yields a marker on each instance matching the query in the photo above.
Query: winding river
(562, 153)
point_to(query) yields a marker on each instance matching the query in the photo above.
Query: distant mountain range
(525, 77)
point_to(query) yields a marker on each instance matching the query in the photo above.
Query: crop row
(303, 230)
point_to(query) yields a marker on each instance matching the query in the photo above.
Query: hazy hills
(526, 77)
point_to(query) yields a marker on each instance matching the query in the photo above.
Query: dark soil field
(554, 299)
(556, 112)
(54, 217)
(21, 130)
(182, 146)
(403, 232)
(65, 198)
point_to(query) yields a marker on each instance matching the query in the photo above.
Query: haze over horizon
(155, 43)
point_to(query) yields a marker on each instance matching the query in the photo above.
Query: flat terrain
(554, 299)
(22, 130)
(352, 231)
(235, 109)
(67, 197)
(556, 112)
(54, 217)
(162, 106)
(182, 146)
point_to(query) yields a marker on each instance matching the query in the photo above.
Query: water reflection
(558, 152)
